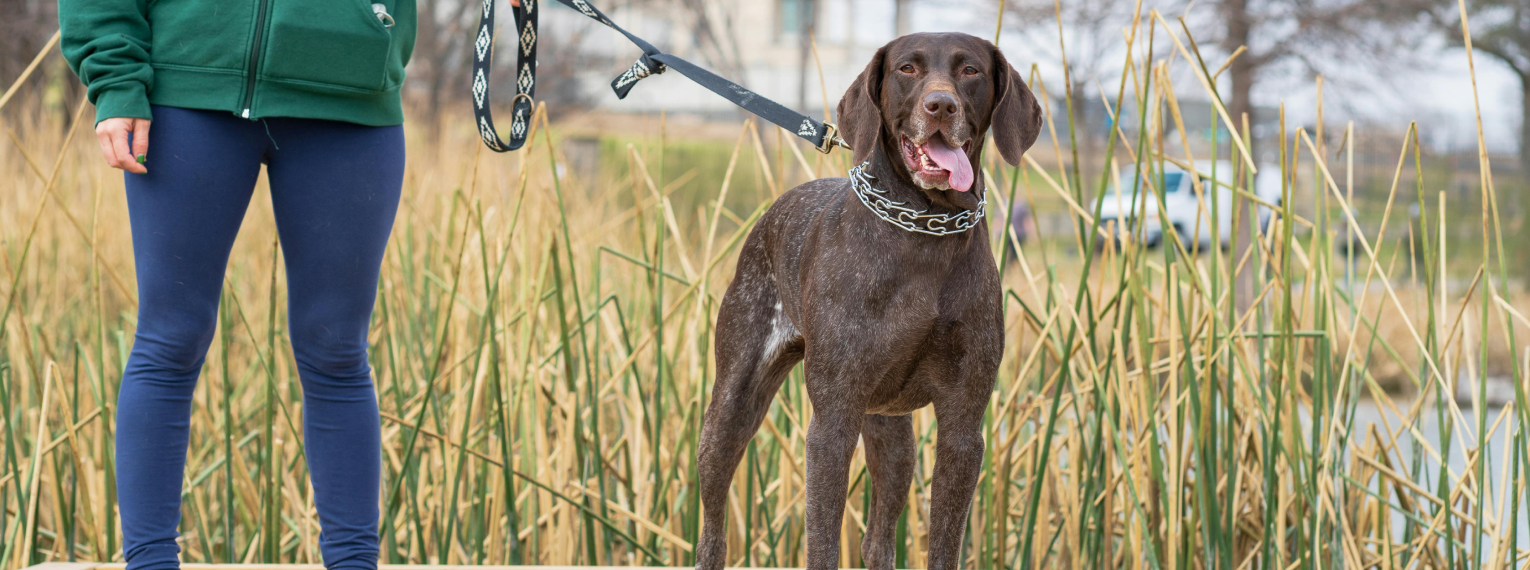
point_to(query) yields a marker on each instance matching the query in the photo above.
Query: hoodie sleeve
(106, 43)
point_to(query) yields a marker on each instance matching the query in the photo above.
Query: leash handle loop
(525, 84)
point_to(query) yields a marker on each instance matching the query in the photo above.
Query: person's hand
(113, 136)
(516, 3)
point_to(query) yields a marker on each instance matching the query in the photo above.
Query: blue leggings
(335, 189)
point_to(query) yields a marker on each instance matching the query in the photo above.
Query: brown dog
(885, 284)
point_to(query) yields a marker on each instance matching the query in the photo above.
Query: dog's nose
(941, 105)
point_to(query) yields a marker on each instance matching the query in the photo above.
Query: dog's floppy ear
(1017, 117)
(860, 110)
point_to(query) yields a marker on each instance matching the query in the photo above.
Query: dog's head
(927, 100)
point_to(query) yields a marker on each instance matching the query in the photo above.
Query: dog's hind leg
(757, 345)
(890, 460)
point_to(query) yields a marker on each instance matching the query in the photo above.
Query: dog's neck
(892, 176)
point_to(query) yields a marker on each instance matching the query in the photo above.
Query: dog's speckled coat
(887, 321)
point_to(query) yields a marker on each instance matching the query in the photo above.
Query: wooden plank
(193, 566)
(64, 566)
(197, 566)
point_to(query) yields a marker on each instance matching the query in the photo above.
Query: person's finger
(121, 151)
(140, 141)
(104, 134)
(125, 155)
(104, 137)
(516, 3)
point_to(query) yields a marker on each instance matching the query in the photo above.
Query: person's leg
(335, 189)
(185, 214)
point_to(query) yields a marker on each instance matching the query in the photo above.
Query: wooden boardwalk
(194, 566)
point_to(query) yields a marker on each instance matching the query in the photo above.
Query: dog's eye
(907, 68)
(970, 70)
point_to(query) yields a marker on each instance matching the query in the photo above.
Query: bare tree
(1500, 29)
(1303, 36)
(1276, 37)
(439, 61)
(24, 29)
(439, 67)
(1092, 33)
(711, 29)
(714, 36)
(805, 48)
(1280, 37)
(902, 11)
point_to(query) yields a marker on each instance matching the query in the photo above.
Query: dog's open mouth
(937, 164)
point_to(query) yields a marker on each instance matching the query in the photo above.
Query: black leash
(823, 135)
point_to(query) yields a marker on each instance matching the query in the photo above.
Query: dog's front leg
(832, 436)
(890, 454)
(958, 463)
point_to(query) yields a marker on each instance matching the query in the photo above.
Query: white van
(1191, 217)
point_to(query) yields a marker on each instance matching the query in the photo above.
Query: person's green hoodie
(321, 59)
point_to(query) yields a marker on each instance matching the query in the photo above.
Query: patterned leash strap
(823, 135)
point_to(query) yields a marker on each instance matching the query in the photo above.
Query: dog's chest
(923, 358)
(912, 329)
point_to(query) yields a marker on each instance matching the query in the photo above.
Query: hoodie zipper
(254, 61)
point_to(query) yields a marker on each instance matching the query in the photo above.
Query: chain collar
(899, 214)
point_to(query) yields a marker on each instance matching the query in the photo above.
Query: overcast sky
(1437, 92)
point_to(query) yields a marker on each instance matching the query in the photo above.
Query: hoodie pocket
(328, 42)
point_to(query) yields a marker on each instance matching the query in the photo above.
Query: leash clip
(831, 139)
(381, 11)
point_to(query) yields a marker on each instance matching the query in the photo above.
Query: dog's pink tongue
(953, 160)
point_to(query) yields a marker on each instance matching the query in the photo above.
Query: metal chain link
(909, 219)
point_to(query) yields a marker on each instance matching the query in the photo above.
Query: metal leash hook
(831, 139)
(382, 15)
